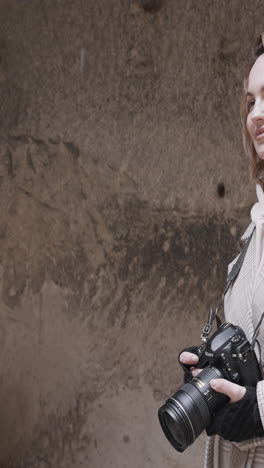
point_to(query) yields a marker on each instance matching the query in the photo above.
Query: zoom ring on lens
(198, 400)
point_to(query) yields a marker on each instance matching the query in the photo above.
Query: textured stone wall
(123, 191)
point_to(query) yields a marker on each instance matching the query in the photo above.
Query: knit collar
(257, 216)
(257, 213)
(260, 194)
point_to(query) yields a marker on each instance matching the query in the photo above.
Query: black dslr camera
(227, 354)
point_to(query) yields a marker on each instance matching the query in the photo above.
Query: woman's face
(255, 105)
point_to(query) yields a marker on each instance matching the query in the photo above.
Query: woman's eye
(250, 104)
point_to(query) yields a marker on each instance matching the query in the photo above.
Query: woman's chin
(260, 151)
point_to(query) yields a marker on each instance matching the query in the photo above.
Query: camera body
(229, 351)
(226, 354)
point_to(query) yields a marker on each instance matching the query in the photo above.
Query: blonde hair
(257, 164)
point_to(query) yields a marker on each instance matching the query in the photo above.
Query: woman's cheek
(249, 127)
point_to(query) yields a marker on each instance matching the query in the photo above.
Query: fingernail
(213, 383)
(194, 359)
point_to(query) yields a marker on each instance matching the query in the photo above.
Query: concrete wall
(123, 191)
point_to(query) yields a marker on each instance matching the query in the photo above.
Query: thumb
(233, 391)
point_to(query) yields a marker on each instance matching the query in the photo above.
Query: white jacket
(244, 304)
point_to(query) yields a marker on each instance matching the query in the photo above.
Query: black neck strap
(232, 276)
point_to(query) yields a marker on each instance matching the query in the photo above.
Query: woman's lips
(259, 133)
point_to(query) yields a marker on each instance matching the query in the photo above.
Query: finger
(188, 358)
(233, 391)
(195, 371)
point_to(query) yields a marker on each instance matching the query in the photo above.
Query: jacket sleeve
(260, 399)
(238, 421)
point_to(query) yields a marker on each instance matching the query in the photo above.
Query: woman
(238, 429)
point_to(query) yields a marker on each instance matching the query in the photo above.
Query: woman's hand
(238, 419)
(189, 359)
(233, 391)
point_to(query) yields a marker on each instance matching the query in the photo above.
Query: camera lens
(188, 412)
(173, 429)
(179, 435)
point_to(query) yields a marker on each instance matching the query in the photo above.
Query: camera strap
(232, 276)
